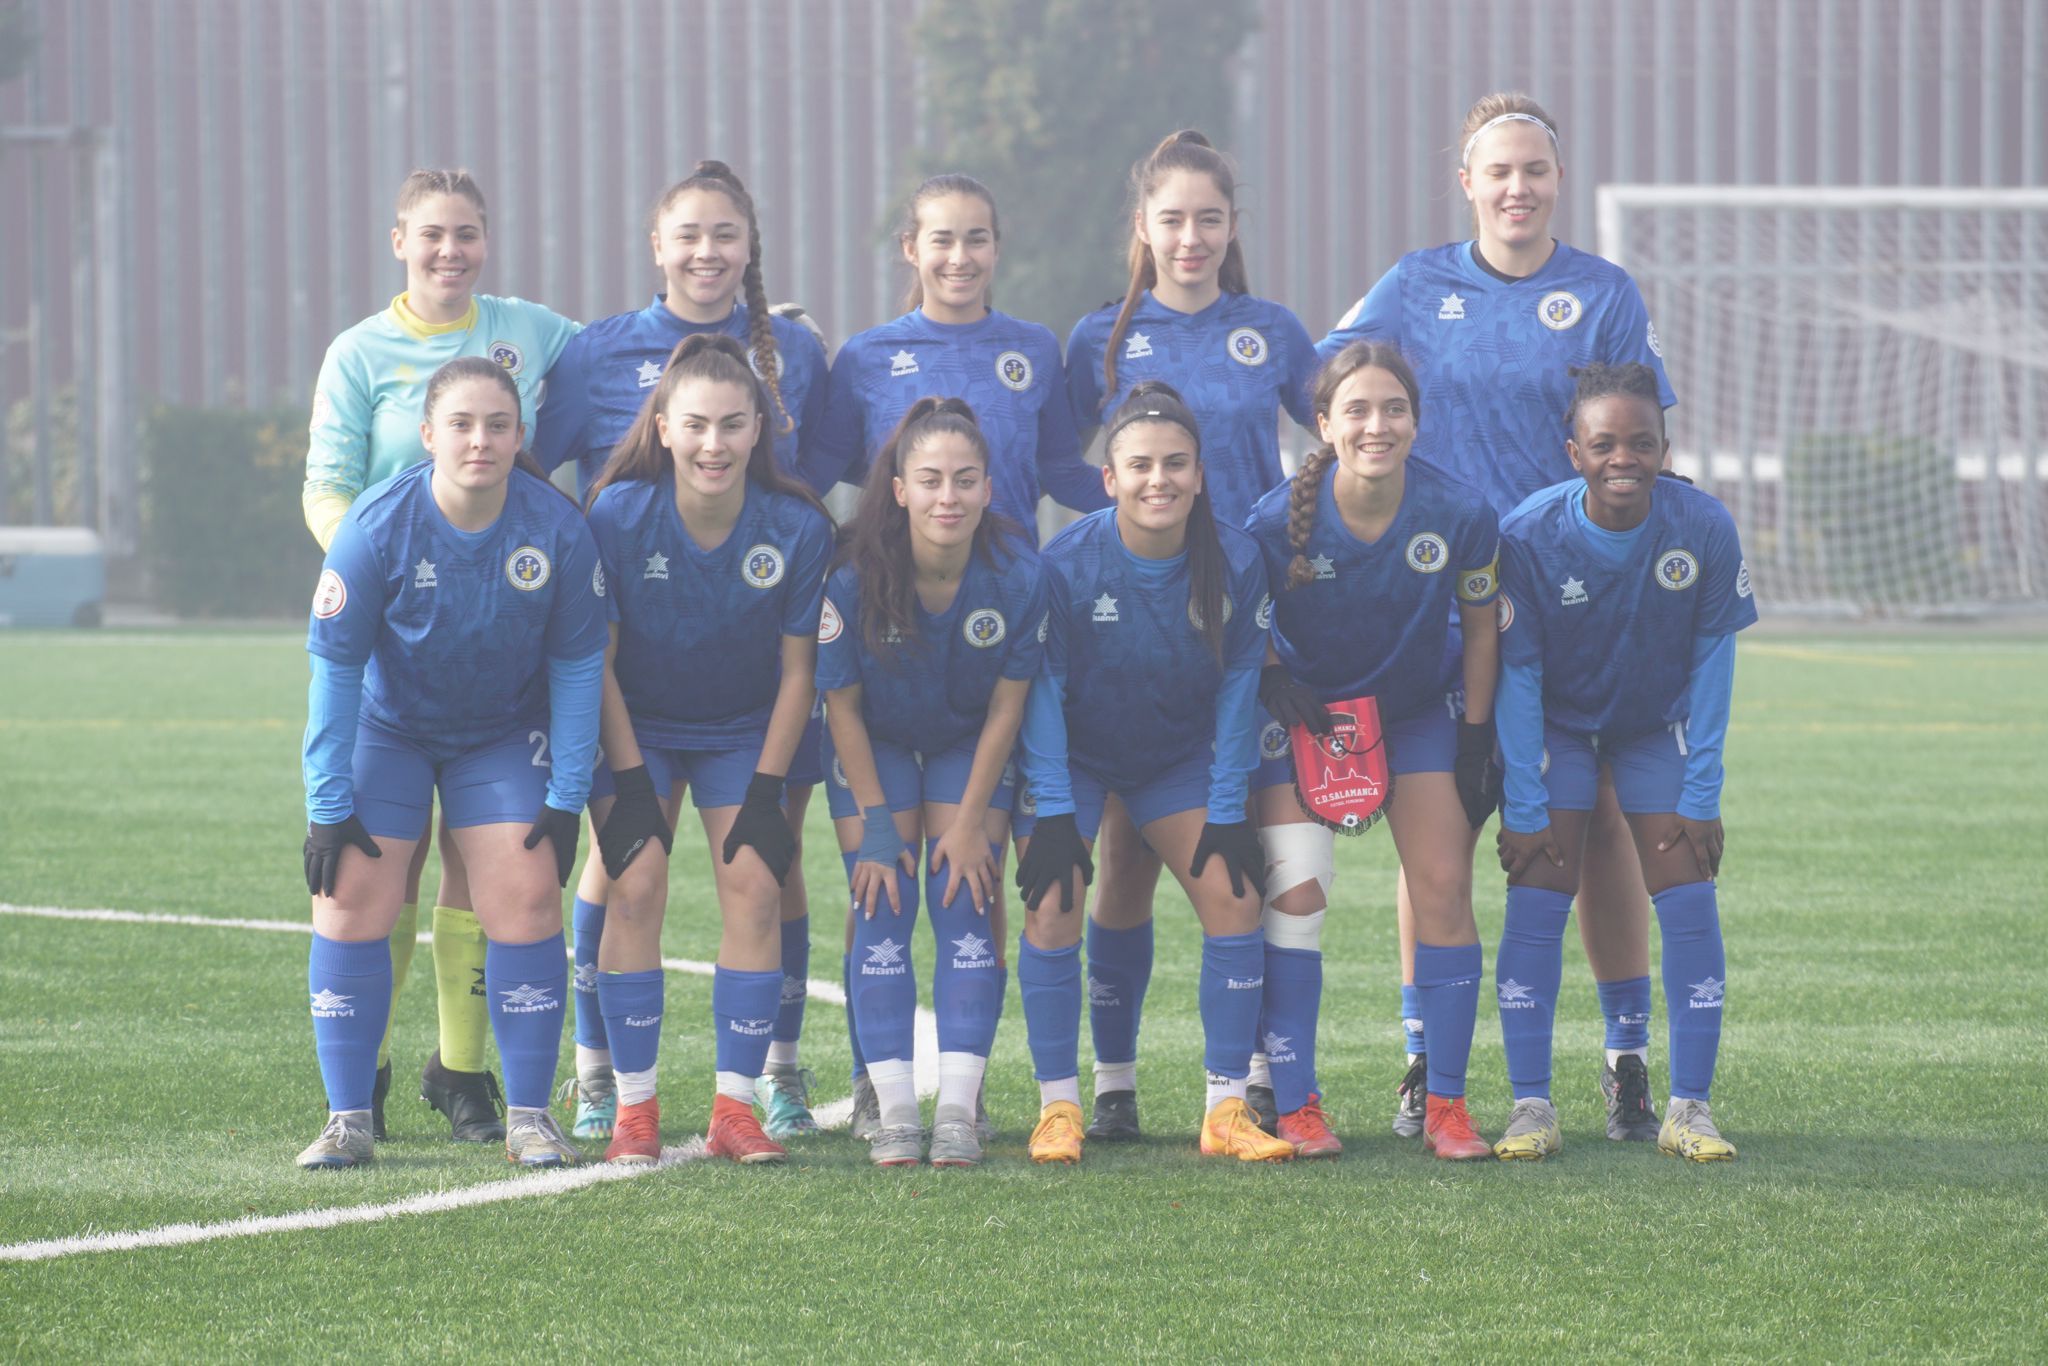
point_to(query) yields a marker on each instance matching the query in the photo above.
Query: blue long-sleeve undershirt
(1706, 725)
(1237, 744)
(575, 696)
(334, 701)
(1044, 733)
(1518, 724)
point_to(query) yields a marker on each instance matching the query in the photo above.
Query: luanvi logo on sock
(527, 999)
(884, 960)
(972, 951)
(643, 1021)
(332, 1005)
(1515, 996)
(1279, 1048)
(476, 988)
(1706, 995)
(1101, 993)
(754, 1028)
(1244, 983)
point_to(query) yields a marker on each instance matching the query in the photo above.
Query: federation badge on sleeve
(1341, 777)
(830, 623)
(330, 595)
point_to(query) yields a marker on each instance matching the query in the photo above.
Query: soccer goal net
(1862, 377)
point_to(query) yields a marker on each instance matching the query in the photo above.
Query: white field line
(832, 1115)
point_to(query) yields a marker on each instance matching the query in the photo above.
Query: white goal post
(1862, 376)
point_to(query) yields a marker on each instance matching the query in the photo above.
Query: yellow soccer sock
(405, 937)
(459, 975)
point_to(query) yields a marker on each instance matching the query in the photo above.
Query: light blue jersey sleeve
(1062, 471)
(1377, 316)
(1298, 395)
(1706, 727)
(575, 693)
(1045, 745)
(338, 437)
(558, 435)
(1518, 721)
(333, 705)
(1237, 744)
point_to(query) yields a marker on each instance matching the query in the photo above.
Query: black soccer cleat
(471, 1100)
(1626, 1089)
(1263, 1107)
(377, 1094)
(1116, 1118)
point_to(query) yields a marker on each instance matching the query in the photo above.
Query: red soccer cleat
(736, 1134)
(1309, 1131)
(636, 1134)
(1447, 1132)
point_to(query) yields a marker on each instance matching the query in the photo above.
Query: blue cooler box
(51, 576)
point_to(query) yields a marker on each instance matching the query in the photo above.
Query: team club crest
(762, 567)
(1742, 588)
(829, 623)
(1476, 585)
(507, 357)
(1559, 309)
(984, 628)
(1248, 346)
(1676, 570)
(1273, 741)
(330, 595)
(527, 568)
(1650, 336)
(1013, 368)
(1427, 553)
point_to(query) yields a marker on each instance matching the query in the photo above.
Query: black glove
(762, 824)
(635, 819)
(324, 844)
(1056, 850)
(1291, 703)
(1237, 844)
(562, 827)
(1478, 780)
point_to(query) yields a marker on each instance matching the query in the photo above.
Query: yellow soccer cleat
(1689, 1133)
(1232, 1130)
(1057, 1136)
(1532, 1133)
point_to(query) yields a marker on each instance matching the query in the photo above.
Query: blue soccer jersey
(932, 692)
(1141, 684)
(1614, 639)
(1237, 363)
(1375, 619)
(1009, 372)
(1494, 356)
(700, 631)
(371, 395)
(607, 371)
(456, 628)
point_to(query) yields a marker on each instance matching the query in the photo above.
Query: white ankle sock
(895, 1089)
(1615, 1055)
(1066, 1088)
(635, 1087)
(781, 1054)
(1116, 1076)
(960, 1079)
(1225, 1088)
(592, 1062)
(1261, 1073)
(738, 1087)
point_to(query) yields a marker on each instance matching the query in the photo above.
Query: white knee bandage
(1296, 855)
(1284, 931)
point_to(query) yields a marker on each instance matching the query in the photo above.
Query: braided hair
(1306, 488)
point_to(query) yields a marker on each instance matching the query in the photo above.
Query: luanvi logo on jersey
(1248, 346)
(1427, 553)
(885, 960)
(1514, 996)
(1559, 309)
(657, 567)
(1707, 995)
(1676, 570)
(527, 568)
(1272, 740)
(423, 574)
(1324, 566)
(753, 1028)
(1136, 345)
(984, 627)
(649, 374)
(1279, 1048)
(1574, 592)
(1013, 368)
(330, 595)
(830, 623)
(332, 1005)
(528, 999)
(1451, 309)
(972, 951)
(903, 363)
(507, 357)
(1105, 609)
(762, 566)
(1101, 993)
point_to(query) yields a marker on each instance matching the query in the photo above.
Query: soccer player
(457, 641)
(929, 640)
(1187, 317)
(1492, 326)
(367, 409)
(1375, 551)
(719, 563)
(706, 241)
(1621, 593)
(1156, 632)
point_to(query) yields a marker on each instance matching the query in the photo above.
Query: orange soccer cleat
(1447, 1132)
(1309, 1131)
(736, 1134)
(1057, 1136)
(1232, 1130)
(636, 1134)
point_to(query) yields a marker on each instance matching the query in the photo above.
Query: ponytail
(936, 187)
(490, 372)
(1155, 400)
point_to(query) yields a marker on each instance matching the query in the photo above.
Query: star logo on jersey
(527, 568)
(1324, 566)
(984, 627)
(1559, 310)
(1105, 609)
(649, 374)
(1247, 346)
(1013, 368)
(586, 977)
(972, 951)
(1451, 309)
(892, 634)
(830, 623)
(903, 363)
(332, 1005)
(1101, 993)
(1707, 995)
(1676, 570)
(1574, 592)
(1136, 345)
(528, 999)
(762, 566)
(657, 567)
(423, 574)
(1427, 553)
(884, 960)
(1279, 1048)
(1514, 996)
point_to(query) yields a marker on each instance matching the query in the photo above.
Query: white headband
(1499, 119)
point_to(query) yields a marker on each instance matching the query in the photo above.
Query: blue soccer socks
(743, 1006)
(586, 923)
(1526, 973)
(881, 981)
(1625, 1005)
(632, 1004)
(796, 977)
(1293, 997)
(527, 984)
(967, 976)
(1447, 991)
(1050, 983)
(350, 987)
(1232, 987)
(1119, 971)
(1695, 976)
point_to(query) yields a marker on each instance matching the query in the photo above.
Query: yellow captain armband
(324, 510)
(1477, 585)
